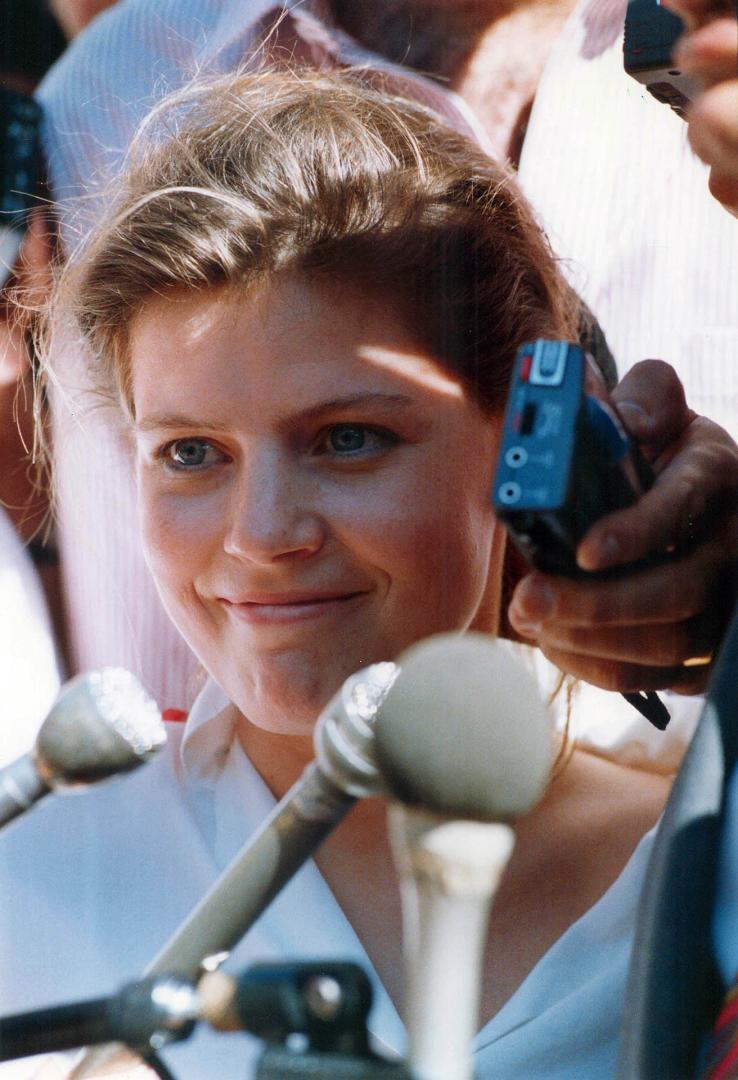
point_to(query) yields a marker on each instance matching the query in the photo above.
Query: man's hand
(709, 52)
(657, 627)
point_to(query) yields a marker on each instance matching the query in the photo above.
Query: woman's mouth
(289, 607)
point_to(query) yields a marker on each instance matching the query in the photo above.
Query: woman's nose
(274, 510)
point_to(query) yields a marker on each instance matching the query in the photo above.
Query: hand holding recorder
(657, 625)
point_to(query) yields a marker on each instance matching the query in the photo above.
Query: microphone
(464, 742)
(102, 723)
(343, 771)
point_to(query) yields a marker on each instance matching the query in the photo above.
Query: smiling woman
(316, 460)
(306, 301)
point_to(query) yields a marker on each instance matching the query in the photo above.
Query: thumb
(652, 405)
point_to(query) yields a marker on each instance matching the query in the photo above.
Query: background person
(31, 622)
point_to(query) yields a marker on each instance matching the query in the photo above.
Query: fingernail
(533, 603)
(635, 418)
(599, 553)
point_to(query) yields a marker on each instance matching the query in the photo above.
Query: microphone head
(344, 733)
(102, 723)
(463, 731)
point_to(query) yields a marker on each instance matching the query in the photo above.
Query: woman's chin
(286, 692)
(290, 707)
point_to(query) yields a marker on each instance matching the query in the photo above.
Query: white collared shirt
(92, 886)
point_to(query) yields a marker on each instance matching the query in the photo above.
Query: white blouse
(92, 886)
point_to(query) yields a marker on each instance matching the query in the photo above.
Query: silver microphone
(465, 745)
(343, 771)
(102, 723)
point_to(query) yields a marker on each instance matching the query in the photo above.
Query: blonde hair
(239, 178)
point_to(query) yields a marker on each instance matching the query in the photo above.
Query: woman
(306, 303)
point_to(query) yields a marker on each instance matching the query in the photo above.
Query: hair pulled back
(235, 180)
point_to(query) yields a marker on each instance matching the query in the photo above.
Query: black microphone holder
(312, 1017)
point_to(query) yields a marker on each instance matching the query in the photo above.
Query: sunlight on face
(313, 488)
(417, 369)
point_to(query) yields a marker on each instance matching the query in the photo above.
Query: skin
(273, 511)
(636, 632)
(24, 506)
(569, 626)
(286, 560)
(74, 15)
(709, 52)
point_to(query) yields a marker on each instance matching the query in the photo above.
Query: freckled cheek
(177, 540)
(427, 547)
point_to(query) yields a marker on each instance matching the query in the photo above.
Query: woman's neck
(492, 52)
(279, 759)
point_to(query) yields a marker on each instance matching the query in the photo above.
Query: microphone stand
(144, 1015)
(322, 1005)
(449, 872)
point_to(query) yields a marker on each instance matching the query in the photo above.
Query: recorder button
(549, 363)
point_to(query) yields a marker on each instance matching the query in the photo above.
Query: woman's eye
(356, 440)
(185, 454)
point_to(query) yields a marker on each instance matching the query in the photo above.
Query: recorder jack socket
(509, 493)
(516, 457)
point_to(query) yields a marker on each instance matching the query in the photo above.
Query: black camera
(651, 32)
(20, 172)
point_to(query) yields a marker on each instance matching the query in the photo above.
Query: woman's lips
(290, 607)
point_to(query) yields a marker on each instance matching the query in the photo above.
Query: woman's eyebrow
(177, 421)
(391, 402)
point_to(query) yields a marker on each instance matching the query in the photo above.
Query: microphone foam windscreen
(463, 730)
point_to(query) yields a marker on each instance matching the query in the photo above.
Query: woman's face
(313, 488)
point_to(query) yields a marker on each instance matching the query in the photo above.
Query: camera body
(20, 171)
(565, 458)
(650, 34)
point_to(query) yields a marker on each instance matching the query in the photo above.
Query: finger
(724, 187)
(692, 685)
(711, 52)
(625, 678)
(39, 239)
(713, 126)
(650, 399)
(654, 645)
(698, 482)
(670, 593)
(697, 12)
(36, 253)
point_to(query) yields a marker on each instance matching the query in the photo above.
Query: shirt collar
(208, 735)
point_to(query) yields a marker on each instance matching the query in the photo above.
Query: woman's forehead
(288, 330)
